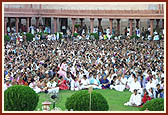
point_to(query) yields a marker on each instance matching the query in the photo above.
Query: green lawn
(115, 99)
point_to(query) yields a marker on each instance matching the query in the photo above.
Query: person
(120, 84)
(52, 86)
(62, 83)
(63, 69)
(7, 85)
(157, 91)
(135, 99)
(84, 82)
(149, 85)
(146, 97)
(135, 85)
(35, 87)
(95, 83)
(105, 83)
(75, 84)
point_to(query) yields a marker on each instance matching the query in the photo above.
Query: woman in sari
(105, 83)
(62, 84)
(63, 69)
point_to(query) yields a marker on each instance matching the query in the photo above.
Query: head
(135, 91)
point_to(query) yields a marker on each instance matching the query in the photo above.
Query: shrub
(80, 100)
(20, 98)
(29, 37)
(75, 34)
(154, 105)
(6, 38)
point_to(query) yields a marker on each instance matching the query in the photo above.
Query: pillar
(37, 21)
(151, 27)
(5, 25)
(111, 25)
(16, 24)
(20, 24)
(99, 20)
(55, 25)
(27, 25)
(130, 21)
(91, 24)
(73, 25)
(30, 21)
(9, 22)
(163, 23)
(157, 24)
(118, 26)
(81, 19)
(137, 23)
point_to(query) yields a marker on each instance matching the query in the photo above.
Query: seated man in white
(135, 85)
(95, 83)
(120, 84)
(51, 86)
(135, 99)
(75, 84)
(149, 85)
(85, 82)
(130, 80)
(34, 86)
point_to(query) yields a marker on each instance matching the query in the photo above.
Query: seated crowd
(51, 65)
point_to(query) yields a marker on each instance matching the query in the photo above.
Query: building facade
(60, 16)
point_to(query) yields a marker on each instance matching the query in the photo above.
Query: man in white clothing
(135, 99)
(135, 85)
(85, 82)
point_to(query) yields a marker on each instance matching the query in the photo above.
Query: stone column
(16, 24)
(137, 23)
(118, 26)
(163, 23)
(81, 19)
(73, 25)
(130, 21)
(111, 25)
(27, 25)
(9, 22)
(91, 24)
(55, 25)
(37, 21)
(157, 24)
(99, 20)
(5, 25)
(151, 27)
(30, 21)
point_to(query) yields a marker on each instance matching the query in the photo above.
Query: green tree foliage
(154, 105)
(20, 98)
(80, 100)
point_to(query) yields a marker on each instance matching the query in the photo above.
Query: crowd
(121, 63)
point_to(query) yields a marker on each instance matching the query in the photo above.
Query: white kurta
(134, 100)
(34, 87)
(135, 85)
(119, 86)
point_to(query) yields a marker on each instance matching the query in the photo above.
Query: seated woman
(35, 87)
(105, 83)
(113, 82)
(146, 97)
(62, 84)
(135, 99)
